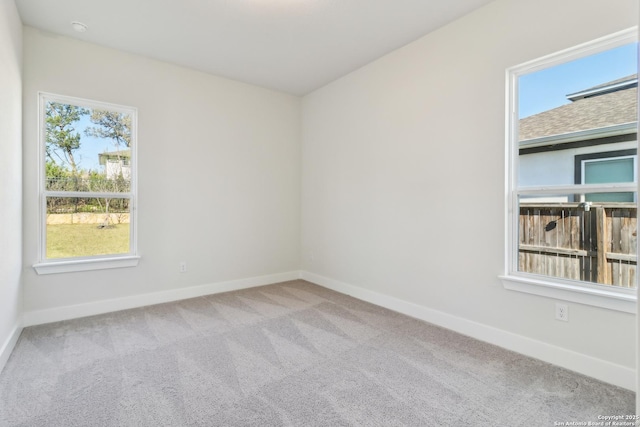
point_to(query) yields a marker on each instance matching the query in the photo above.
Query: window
(572, 167)
(609, 167)
(87, 185)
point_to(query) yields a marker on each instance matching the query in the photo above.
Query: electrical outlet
(183, 266)
(562, 312)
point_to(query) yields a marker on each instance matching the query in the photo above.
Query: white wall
(10, 176)
(219, 174)
(404, 186)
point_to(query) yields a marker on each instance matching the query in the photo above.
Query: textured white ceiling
(294, 46)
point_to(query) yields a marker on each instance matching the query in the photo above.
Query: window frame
(87, 263)
(581, 159)
(614, 298)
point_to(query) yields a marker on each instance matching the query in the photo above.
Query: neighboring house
(590, 140)
(116, 163)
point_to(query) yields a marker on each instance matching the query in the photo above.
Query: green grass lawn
(76, 240)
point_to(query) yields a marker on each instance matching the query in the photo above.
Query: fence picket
(566, 241)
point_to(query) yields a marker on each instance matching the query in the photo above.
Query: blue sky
(91, 146)
(86, 156)
(547, 89)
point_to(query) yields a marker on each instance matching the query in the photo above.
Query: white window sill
(54, 267)
(619, 299)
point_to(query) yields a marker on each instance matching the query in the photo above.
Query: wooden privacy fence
(595, 244)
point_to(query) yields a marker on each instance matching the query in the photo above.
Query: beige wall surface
(404, 177)
(10, 171)
(218, 172)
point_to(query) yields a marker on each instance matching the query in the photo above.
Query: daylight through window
(573, 167)
(88, 179)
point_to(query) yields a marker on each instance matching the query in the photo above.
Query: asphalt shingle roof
(608, 109)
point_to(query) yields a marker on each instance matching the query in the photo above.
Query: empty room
(318, 212)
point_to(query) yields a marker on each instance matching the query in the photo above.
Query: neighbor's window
(573, 174)
(609, 167)
(87, 184)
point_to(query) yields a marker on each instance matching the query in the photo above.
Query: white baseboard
(602, 370)
(9, 345)
(38, 317)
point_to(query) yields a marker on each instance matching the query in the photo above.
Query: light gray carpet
(291, 354)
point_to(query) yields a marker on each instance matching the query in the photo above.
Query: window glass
(88, 170)
(574, 202)
(609, 171)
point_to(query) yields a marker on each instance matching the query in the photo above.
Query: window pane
(87, 149)
(593, 242)
(81, 227)
(607, 171)
(610, 170)
(576, 109)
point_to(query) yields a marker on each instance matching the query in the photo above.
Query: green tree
(60, 131)
(57, 176)
(98, 182)
(117, 127)
(112, 125)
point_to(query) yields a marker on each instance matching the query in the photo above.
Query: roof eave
(602, 132)
(627, 84)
